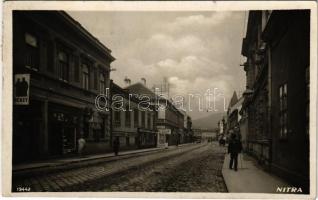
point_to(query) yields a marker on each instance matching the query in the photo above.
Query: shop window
(63, 65)
(127, 116)
(32, 57)
(127, 141)
(283, 111)
(136, 117)
(103, 128)
(85, 76)
(102, 85)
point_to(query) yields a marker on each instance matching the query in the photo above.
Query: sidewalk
(65, 161)
(249, 178)
(60, 162)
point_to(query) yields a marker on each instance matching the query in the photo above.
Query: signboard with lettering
(21, 89)
(165, 131)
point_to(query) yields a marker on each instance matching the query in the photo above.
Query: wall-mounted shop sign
(21, 89)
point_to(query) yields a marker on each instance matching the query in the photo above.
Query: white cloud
(196, 21)
(195, 50)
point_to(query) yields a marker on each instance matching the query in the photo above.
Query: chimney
(144, 81)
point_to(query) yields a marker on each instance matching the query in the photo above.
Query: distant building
(68, 67)
(221, 128)
(197, 134)
(170, 121)
(134, 126)
(233, 115)
(209, 135)
(277, 92)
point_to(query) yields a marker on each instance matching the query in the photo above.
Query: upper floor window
(149, 121)
(85, 76)
(76, 69)
(32, 52)
(136, 117)
(283, 121)
(102, 85)
(63, 65)
(127, 116)
(143, 119)
(95, 79)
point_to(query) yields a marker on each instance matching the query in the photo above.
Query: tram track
(79, 177)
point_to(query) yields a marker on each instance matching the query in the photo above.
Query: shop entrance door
(62, 130)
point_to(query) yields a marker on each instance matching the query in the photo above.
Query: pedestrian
(81, 144)
(234, 148)
(116, 145)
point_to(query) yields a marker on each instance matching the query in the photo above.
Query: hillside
(209, 122)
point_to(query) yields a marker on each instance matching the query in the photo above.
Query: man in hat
(234, 148)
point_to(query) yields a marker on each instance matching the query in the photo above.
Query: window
(85, 75)
(283, 122)
(136, 117)
(127, 117)
(32, 52)
(95, 79)
(107, 79)
(117, 121)
(103, 128)
(102, 85)
(149, 121)
(63, 65)
(143, 119)
(76, 69)
(307, 79)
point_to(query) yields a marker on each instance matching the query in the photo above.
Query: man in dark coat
(234, 148)
(116, 144)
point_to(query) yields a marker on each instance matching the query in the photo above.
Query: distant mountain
(209, 122)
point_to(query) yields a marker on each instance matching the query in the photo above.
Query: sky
(195, 51)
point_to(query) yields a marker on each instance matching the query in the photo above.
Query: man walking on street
(116, 144)
(234, 148)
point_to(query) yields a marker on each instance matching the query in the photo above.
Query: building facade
(67, 68)
(169, 121)
(256, 104)
(135, 127)
(277, 98)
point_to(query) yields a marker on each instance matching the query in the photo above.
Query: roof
(139, 88)
(234, 99)
(80, 30)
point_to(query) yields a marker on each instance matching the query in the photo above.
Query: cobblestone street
(195, 168)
